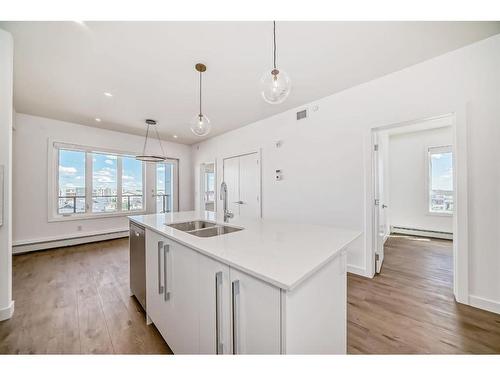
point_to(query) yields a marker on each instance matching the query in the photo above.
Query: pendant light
(275, 83)
(200, 125)
(148, 155)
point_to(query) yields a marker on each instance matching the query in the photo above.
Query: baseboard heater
(26, 247)
(421, 232)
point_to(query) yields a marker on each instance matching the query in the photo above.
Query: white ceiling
(62, 69)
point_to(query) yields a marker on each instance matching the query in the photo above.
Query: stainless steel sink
(214, 231)
(192, 225)
(203, 228)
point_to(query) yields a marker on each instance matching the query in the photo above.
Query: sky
(72, 171)
(442, 171)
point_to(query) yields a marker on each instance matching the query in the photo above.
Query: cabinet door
(155, 280)
(215, 307)
(255, 308)
(182, 328)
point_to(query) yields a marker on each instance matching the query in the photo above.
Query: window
(92, 182)
(440, 180)
(166, 186)
(132, 190)
(71, 182)
(104, 183)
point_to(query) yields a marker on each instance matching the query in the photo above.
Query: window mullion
(88, 182)
(119, 175)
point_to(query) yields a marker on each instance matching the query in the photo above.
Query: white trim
(25, 246)
(485, 303)
(358, 271)
(53, 148)
(7, 312)
(458, 119)
(396, 229)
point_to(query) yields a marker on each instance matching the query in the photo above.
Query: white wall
(30, 176)
(408, 180)
(6, 110)
(326, 158)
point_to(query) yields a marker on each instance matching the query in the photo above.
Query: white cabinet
(201, 305)
(172, 292)
(214, 307)
(255, 315)
(182, 329)
(155, 281)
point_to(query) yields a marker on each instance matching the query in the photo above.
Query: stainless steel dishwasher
(137, 239)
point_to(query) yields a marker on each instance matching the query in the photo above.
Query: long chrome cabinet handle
(166, 294)
(219, 346)
(235, 286)
(160, 287)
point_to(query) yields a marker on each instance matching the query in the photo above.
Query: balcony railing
(72, 207)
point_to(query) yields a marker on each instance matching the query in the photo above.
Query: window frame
(53, 182)
(175, 186)
(430, 150)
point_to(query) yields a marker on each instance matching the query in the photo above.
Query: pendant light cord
(159, 141)
(274, 42)
(200, 95)
(145, 140)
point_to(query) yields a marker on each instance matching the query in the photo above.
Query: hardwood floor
(76, 300)
(410, 308)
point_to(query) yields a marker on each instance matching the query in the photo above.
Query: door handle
(235, 286)
(160, 287)
(384, 206)
(166, 294)
(239, 202)
(219, 346)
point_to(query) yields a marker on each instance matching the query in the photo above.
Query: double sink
(202, 228)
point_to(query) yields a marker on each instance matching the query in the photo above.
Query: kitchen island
(267, 287)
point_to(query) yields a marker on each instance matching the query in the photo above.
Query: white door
(249, 186)
(215, 307)
(242, 177)
(380, 206)
(166, 191)
(255, 315)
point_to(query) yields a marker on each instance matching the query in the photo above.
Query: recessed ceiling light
(98, 119)
(175, 136)
(108, 94)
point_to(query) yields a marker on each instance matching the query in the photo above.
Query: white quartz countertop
(283, 254)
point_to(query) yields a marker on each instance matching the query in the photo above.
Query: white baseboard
(421, 232)
(485, 304)
(358, 271)
(7, 312)
(50, 243)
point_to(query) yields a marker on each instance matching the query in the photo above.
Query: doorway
(166, 191)
(207, 187)
(414, 185)
(242, 175)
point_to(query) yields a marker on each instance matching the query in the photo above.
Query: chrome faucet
(223, 196)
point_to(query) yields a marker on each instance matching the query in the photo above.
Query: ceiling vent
(302, 114)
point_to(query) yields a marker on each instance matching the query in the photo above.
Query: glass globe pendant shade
(275, 86)
(200, 125)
